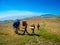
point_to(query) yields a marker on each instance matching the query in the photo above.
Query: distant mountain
(9, 19)
(47, 15)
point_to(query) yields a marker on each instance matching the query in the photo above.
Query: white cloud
(13, 13)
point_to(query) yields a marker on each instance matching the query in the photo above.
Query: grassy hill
(49, 32)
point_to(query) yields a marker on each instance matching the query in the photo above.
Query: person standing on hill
(38, 26)
(33, 28)
(24, 23)
(16, 25)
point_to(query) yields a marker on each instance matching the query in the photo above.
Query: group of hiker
(17, 24)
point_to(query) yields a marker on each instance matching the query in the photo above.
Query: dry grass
(49, 27)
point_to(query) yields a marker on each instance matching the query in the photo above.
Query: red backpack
(24, 23)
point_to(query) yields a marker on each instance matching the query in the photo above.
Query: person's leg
(27, 32)
(16, 31)
(24, 31)
(32, 31)
(38, 28)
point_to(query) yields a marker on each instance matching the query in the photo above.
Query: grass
(8, 37)
(49, 35)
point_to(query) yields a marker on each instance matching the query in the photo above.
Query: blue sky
(32, 7)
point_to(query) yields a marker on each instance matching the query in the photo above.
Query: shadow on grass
(30, 34)
(34, 35)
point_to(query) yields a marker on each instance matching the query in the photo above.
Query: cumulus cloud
(15, 13)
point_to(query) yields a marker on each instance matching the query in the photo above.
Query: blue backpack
(16, 24)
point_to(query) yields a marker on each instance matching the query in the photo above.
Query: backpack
(15, 24)
(38, 25)
(24, 23)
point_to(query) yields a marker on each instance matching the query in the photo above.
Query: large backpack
(16, 24)
(24, 23)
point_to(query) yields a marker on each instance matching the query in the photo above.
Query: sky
(13, 9)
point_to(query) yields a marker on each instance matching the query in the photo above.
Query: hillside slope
(49, 32)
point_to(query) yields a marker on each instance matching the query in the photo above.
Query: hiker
(16, 25)
(32, 28)
(38, 26)
(24, 23)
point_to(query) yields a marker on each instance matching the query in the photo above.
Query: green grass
(49, 35)
(46, 38)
